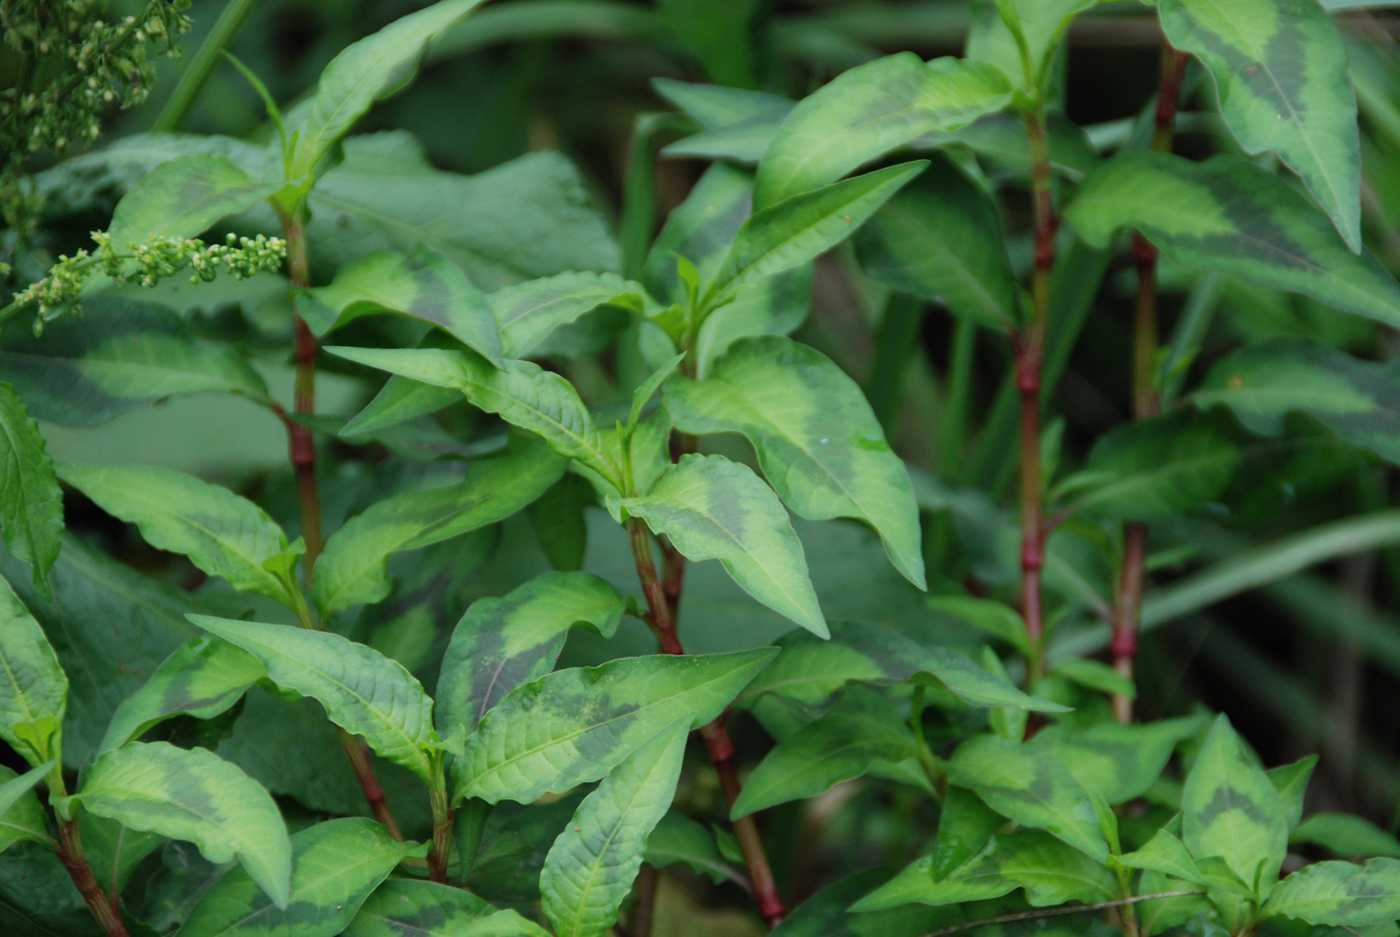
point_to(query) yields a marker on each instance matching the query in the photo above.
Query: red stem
(103, 906)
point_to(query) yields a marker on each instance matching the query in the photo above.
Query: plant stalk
(720, 746)
(70, 852)
(192, 81)
(441, 850)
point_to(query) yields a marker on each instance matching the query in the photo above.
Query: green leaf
(33, 687)
(941, 239)
(1229, 216)
(792, 232)
(31, 503)
(1262, 384)
(1023, 44)
(1166, 854)
(364, 72)
(738, 124)
(423, 285)
(591, 866)
(503, 642)
(1346, 835)
(574, 726)
(182, 198)
(817, 440)
(986, 615)
(1118, 762)
(22, 818)
(828, 913)
(222, 533)
(398, 401)
(863, 727)
(713, 509)
(1096, 675)
(965, 826)
(336, 865)
(679, 840)
(403, 906)
(1280, 72)
(1340, 894)
(1231, 811)
(202, 678)
(977, 685)
(193, 795)
(866, 112)
(363, 692)
(528, 313)
(352, 570)
(1031, 786)
(1291, 782)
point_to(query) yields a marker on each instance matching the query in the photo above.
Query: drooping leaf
(22, 818)
(182, 198)
(1340, 893)
(712, 508)
(33, 686)
(1231, 811)
(336, 865)
(591, 866)
(202, 678)
(193, 795)
(363, 692)
(1346, 835)
(1228, 215)
(679, 840)
(1280, 72)
(222, 533)
(528, 313)
(405, 906)
(574, 726)
(31, 503)
(423, 285)
(817, 440)
(503, 642)
(352, 570)
(941, 239)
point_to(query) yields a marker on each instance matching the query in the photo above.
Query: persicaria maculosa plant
(594, 594)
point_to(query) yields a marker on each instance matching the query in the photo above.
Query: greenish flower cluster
(147, 264)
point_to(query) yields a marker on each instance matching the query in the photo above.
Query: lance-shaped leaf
(1118, 762)
(529, 312)
(193, 795)
(364, 72)
(817, 440)
(861, 728)
(1032, 787)
(202, 678)
(84, 371)
(423, 285)
(1340, 894)
(33, 687)
(574, 726)
(737, 124)
(1166, 854)
(965, 827)
(222, 533)
(404, 906)
(1262, 384)
(713, 509)
(335, 867)
(941, 239)
(975, 684)
(679, 840)
(828, 913)
(866, 112)
(503, 642)
(792, 232)
(352, 570)
(1280, 72)
(363, 692)
(1231, 811)
(182, 198)
(22, 818)
(31, 503)
(591, 866)
(1291, 782)
(1230, 216)
(1346, 835)
(1020, 38)
(398, 401)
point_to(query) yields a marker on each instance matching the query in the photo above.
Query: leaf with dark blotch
(31, 503)
(528, 313)
(1340, 894)
(1119, 762)
(33, 686)
(182, 198)
(404, 906)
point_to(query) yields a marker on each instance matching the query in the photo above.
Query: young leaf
(862, 728)
(1307, 114)
(1022, 45)
(222, 533)
(679, 840)
(1346, 835)
(1291, 782)
(1231, 811)
(352, 570)
(941, 239)
(31, 503)
(336, 865)
(866, 112)
(574, 726)
(711, 508)
(529, 312)
(202, 678)
(738, 124)
(796, 230)
(405, 906)
(22, 818)
(1228, 215)
(193, 795)
(591, 866)
(1340, 894)
(363, 692)
(33, 687)
(817, 440)
(423, 285)
(182, 198)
